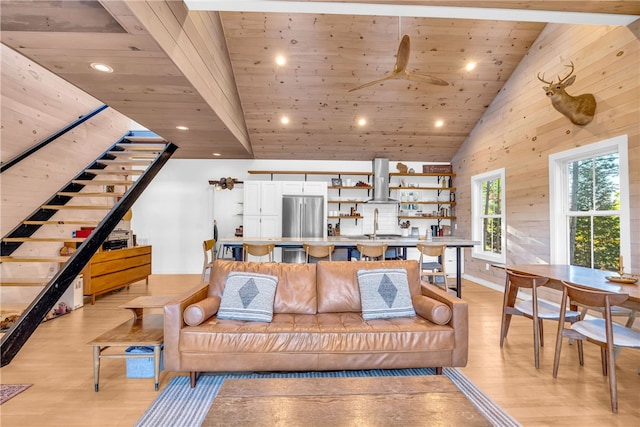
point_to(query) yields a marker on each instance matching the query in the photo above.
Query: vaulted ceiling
(215, 72)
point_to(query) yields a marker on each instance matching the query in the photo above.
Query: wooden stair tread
(150, 146)
(78, 207)
(140, 162)
(101, 182)
(129, 153)
(24, 281)
(62, 222)
(114, 171)
(34, 258)
(88, 194)
(44, 239)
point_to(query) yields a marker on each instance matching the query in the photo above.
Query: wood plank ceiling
(172, 67)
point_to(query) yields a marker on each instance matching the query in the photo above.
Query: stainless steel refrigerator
(302, 216)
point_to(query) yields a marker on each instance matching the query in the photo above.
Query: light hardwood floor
(58, 362)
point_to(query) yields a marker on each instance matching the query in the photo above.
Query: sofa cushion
(436, 311)
(296, 291)
(384, 293)
(337, 283)
(197, 313)
(339, 333)
(248, 296)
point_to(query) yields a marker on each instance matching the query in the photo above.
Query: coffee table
(363, 401)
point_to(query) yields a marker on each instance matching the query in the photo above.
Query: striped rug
(179, 405)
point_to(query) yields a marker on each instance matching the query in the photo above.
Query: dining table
(350, 243)
(601, 280)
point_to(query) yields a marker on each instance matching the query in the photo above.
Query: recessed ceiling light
(102, 67)
(439, 123)
(284, 120)
(470, 66)
(216, 154)
(182, 128)
(362, 121)
(281, 60)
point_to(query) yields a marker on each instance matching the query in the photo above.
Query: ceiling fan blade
(423, 78)
(402, 59)
(387, 77)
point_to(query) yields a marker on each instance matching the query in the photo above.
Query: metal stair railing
(21, 330)
(6, 165)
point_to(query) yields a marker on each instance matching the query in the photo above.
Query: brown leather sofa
(317, 324)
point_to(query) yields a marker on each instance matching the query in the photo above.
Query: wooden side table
(142, 330)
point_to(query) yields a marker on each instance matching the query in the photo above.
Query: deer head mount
(579, 109)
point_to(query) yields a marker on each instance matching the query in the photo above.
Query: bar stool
(258, 250)
(433, 269)
(208, 247)
(372, 252)
(318, 251)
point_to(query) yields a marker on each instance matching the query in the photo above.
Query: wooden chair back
(258, 250)
(208, 249)
(371, 252)
(318, 251)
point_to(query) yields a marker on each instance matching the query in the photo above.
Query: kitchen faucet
(375, 222)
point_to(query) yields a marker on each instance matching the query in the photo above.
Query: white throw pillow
(248, 296)
(384, 293)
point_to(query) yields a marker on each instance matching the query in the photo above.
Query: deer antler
(543, 80)
(568, 75)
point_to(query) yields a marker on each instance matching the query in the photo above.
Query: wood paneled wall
(35, 104)
(521, 129)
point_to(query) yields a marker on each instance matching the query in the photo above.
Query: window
(488, 215)
(589, 205)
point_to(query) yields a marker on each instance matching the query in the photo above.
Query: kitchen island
(350, 243)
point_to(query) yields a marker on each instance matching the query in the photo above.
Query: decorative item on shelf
(452, 197)
(336, 182)
(225, 183)
(437, 169)
(402, 168)
(362, 184)
(411, 170)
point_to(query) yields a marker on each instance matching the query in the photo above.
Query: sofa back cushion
(296, 290)
(337, 282)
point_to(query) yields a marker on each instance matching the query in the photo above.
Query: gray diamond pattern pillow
(384, 293)
(248, 296)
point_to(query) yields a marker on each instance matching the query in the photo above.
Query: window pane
(607, 182)
(492, 235)
(491, 197)
(580, 241)
(580, 176)
(606, 238)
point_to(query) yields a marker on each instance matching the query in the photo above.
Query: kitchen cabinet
(262, 209)
(304, 188)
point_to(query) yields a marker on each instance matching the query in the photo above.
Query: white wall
(176, 212)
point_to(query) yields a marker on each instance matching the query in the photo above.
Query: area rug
(7, 391)
(179, 405)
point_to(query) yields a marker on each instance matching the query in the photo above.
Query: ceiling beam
(425, 11)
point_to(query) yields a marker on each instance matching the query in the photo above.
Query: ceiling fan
(400, 69)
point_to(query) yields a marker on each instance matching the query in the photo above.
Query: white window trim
(476, 222)
(559, 251)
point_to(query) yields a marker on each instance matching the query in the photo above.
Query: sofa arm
(459, 320)
(174, 322)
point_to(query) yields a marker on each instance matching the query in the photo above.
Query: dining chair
(600, 331)
(535, 309)
(209, 252)
(258, 250)
(433, 269)
(371, 252)
(318, 251)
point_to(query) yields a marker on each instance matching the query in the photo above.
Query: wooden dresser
(109, 270)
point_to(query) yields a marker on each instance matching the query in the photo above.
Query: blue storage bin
(142, 367)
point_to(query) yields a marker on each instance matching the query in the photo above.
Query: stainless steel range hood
(381, 182)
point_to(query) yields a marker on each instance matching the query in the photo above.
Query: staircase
(41, 250)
